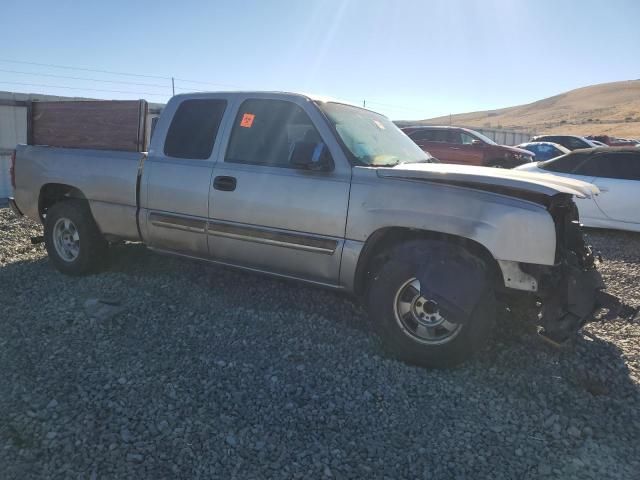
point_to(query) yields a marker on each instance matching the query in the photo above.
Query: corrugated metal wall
(504, 137)
(13, 130)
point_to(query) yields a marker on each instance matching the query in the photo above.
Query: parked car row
(544, 150)
(572, 142)
(614, 170)
(466, 147)
(613, 141)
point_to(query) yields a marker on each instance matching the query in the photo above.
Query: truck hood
(491, 179)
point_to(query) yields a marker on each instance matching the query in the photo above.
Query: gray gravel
(164, 368)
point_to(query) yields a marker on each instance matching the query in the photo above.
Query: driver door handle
(224, 183)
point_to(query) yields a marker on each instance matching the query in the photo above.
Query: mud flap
(582, 292)
(455, 280)
(564, 316)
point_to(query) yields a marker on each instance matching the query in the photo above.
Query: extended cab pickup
(330, 194)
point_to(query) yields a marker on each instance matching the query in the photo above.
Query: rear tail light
(12, 169)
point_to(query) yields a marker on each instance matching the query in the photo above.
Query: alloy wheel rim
(420, 318)
(66, 239)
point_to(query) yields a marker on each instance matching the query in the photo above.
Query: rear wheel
(412, 325)
(72, 238)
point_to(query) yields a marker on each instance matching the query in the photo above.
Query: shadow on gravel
(513, 335)
(244, 373)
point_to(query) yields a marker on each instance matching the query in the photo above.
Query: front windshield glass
(371, 138)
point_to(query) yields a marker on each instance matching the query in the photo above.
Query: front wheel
(413, 299)
(72, 238)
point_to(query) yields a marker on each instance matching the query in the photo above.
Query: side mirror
(310, 156)
(476, 142)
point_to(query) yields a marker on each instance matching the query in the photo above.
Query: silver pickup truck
(333, 195)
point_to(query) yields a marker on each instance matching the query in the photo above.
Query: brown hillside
(608, 108)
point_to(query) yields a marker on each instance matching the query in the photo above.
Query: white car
(615, 171)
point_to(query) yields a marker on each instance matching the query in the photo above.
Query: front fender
(511, 229)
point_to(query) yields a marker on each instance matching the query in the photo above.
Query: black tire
(92, 250)
(400, 265)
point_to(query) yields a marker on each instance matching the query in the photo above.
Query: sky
(407, 59)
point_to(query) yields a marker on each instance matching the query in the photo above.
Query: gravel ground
(193, 371)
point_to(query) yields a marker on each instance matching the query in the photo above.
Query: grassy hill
(608, 108)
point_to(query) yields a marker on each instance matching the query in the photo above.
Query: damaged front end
(568, 291)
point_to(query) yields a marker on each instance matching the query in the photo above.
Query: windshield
(371, 138)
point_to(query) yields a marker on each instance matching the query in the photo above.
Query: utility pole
(364, 104)
(449, 119)
(173, 86)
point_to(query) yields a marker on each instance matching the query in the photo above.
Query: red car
(467, 147)
(612, 141)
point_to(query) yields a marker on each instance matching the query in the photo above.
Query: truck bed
(107, 179)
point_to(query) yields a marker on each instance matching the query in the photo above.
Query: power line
(226, 85)
(81, 88)
(68, 67)
(87, 79)
(130, 74)
(111, 72)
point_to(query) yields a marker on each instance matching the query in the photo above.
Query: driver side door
(264, 213)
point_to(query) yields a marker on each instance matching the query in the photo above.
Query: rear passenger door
(268, 215)
(433, 141)
(177, 175)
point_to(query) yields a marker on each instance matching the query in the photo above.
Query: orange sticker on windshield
(247, 120)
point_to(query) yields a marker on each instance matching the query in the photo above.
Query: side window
(422, 135)
(575, 143)
(596, 166)
(627, 166)
(441, 136)
(565, 164)
(466, 138)
(557, 140)
(193, 129)
(265, 130)
(622, 166)
(548, 149)
(454, 136)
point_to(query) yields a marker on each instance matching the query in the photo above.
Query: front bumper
(14, 207)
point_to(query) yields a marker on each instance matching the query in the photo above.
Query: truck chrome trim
(309, 243)
(270, 273)
(177, 222)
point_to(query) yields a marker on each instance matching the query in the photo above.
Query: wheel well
(382, 240)
(52, 193)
